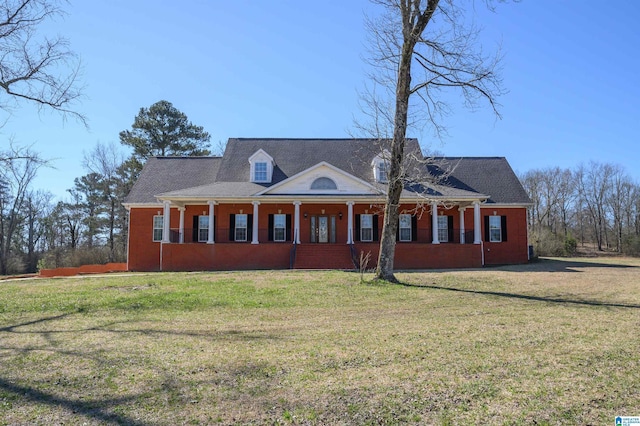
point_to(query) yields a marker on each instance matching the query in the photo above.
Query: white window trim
(383, 177)
(493, 227)
(378, 160)
(257, 172)
(245, 227)
(400, 228)
(443, 229)
(160, 219)
(283, 227)
(260, 156)
(362, 228)
(202, 228)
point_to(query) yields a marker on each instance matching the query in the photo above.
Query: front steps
(323, 256)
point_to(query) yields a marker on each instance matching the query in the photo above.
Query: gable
(317, 181)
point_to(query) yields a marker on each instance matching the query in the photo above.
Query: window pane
(241, 227)
(241, 234)
(157, 222)
(366, 227)
(260, 172)
(203, 222)
(443, 229)
(241, 221)
(495, 229)
(279, 227)
(157, 228)
(405, 227)
(382, 172)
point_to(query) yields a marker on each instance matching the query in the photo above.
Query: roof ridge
(195, 157)
(313, 139)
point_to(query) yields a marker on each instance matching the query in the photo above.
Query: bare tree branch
(42, 71)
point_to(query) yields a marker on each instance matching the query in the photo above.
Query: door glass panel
(323, 229)
(333, 229)
(313, 229)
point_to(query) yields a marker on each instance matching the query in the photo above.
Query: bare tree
(16, 174)
(430, 40)
(37, 207)
(594, 182)
(40, 70)
(105, 161)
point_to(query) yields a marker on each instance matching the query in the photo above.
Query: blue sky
(292, 69)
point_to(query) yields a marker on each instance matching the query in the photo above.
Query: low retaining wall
(84, 269)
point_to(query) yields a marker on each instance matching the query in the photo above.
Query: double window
(158, 223)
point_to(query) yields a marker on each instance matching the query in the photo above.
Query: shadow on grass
(228, 335)
(524, 296)
(558, 265)
(92, 409)
(11, 328)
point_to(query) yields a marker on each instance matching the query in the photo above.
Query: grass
(554, 342)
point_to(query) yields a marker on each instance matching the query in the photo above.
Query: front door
(323, 229)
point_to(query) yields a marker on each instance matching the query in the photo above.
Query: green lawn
(555, 342)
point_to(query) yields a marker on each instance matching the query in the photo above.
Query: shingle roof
(292, 156)
(487, 175)
(163, 174)
(228, 176)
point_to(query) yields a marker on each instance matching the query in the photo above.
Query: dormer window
(382, 172)
(261, 167)
(380, 166)
(260, 172)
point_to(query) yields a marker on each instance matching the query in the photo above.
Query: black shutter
(450, 228)
(232, 227)
(288, 237)
(503, 225)
(486, 228)
(194, 231)
(414, 228)
(249, 227)
(356, 231)
(270, 231)
(375, 227)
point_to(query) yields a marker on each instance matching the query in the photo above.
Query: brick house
(318, 203)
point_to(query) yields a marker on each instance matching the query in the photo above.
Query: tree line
(594, 205)
(90, 224)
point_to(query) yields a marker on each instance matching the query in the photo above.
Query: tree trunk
(386, 256)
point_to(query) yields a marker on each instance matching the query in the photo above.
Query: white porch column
(434, 221)
(210, 239)
(254, 240)
(461, 210)
(296, 221)
(350, 222)
(477, 235)
(181, 230)
(166, 220)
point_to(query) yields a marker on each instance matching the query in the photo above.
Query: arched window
(323, 183)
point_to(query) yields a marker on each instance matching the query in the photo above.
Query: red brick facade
(225, 254)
